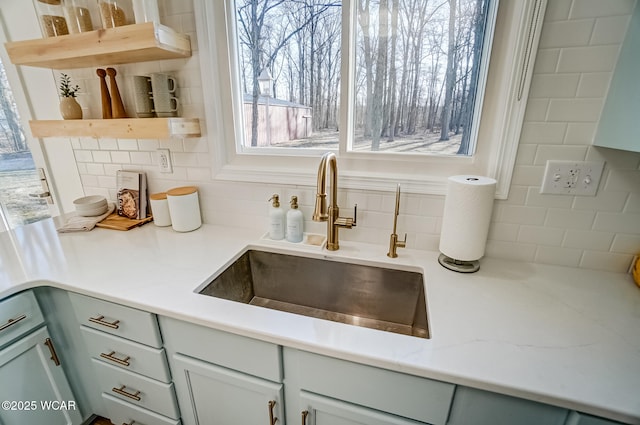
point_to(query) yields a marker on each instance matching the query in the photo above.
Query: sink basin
(380, 298)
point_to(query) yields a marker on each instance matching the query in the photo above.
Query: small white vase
(70, 108)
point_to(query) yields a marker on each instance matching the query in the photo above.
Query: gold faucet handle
(402, 243)
(348, 222)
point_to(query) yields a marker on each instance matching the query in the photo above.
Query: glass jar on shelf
(146, 11)
(51, 17)
(78, 15)
(115, 13)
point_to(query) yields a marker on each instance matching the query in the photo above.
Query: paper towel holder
(459, 266)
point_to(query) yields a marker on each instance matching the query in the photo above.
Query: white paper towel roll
(467, 213)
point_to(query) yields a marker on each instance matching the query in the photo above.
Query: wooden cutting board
(116, 222)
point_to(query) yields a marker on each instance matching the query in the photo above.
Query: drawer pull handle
(305, 413)
(52, 350)
(100, 321)
(111, 357)
(272, 420)
(13, 321)
(121, 391)
(130, 423)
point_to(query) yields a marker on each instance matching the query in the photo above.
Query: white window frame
(513, 51)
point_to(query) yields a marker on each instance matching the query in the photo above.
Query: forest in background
(416, 63)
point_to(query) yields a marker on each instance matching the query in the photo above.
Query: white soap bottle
(295, 222)
(276, 219)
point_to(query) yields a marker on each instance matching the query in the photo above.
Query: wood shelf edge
(126, 44)
(124, 128)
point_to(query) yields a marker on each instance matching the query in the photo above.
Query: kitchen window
(291, 80)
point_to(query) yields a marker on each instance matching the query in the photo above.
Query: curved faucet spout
(331, 214)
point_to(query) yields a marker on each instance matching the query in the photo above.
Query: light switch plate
(572, 177)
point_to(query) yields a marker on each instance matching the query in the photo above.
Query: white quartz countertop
(564, 336)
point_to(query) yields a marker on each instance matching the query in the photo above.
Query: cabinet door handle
(13, 321)
(52, 350)
(305, 413)
(100, 321)
(121, 391)
(130, 423)
(272, 420)
(111, 357)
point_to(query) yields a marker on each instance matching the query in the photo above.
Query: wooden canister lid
(158, 196)
(52, 2)
(181, 191)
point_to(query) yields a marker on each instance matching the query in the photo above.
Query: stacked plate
(91, 206)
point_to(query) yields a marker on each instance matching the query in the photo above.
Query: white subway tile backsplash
(540, 235)
(88, 143)
(95, 169)
(566, 33)
(604, 201)
(592, 240)
(575, 110)
(537, 199)
(594, 84)
(626, 244)
(569, 219)
(610, 261)
(598, 8)
(588, 59)
(108, 144)
(557, 10)
(143, 158)
(522, 215)
(579, 47)
(121, 157)
(543, 132)
(610, 30)
(128, 144)
(560, 256)
(562, 152)
(83, 156)
(617, 222)
(101, 156)
(580, 133)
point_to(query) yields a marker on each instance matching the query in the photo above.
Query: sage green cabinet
(34, 387)
(619, 125)
(577, 418)
(477, 407)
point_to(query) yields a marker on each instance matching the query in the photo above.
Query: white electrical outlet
(164, 161)
(572, 177)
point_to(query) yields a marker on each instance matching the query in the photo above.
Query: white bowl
(90, 206)
(93, 212)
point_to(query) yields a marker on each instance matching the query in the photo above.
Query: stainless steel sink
(374, 297)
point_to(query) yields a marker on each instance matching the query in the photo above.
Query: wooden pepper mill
(104, 94)
(117, 106)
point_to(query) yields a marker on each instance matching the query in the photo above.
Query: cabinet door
(34, 390)
(477, 407)
(320, 410)
(213, 395)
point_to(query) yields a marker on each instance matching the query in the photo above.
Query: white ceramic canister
(184, 208)
(160, 209)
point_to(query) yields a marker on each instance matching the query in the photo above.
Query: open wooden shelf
(113, 46)
(122, 128)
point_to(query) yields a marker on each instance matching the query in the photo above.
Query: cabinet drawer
(404, 395)
(126, 354)
(116, 319)
(137, 389)
(257, 358)
(121, 412)
(18, 315)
